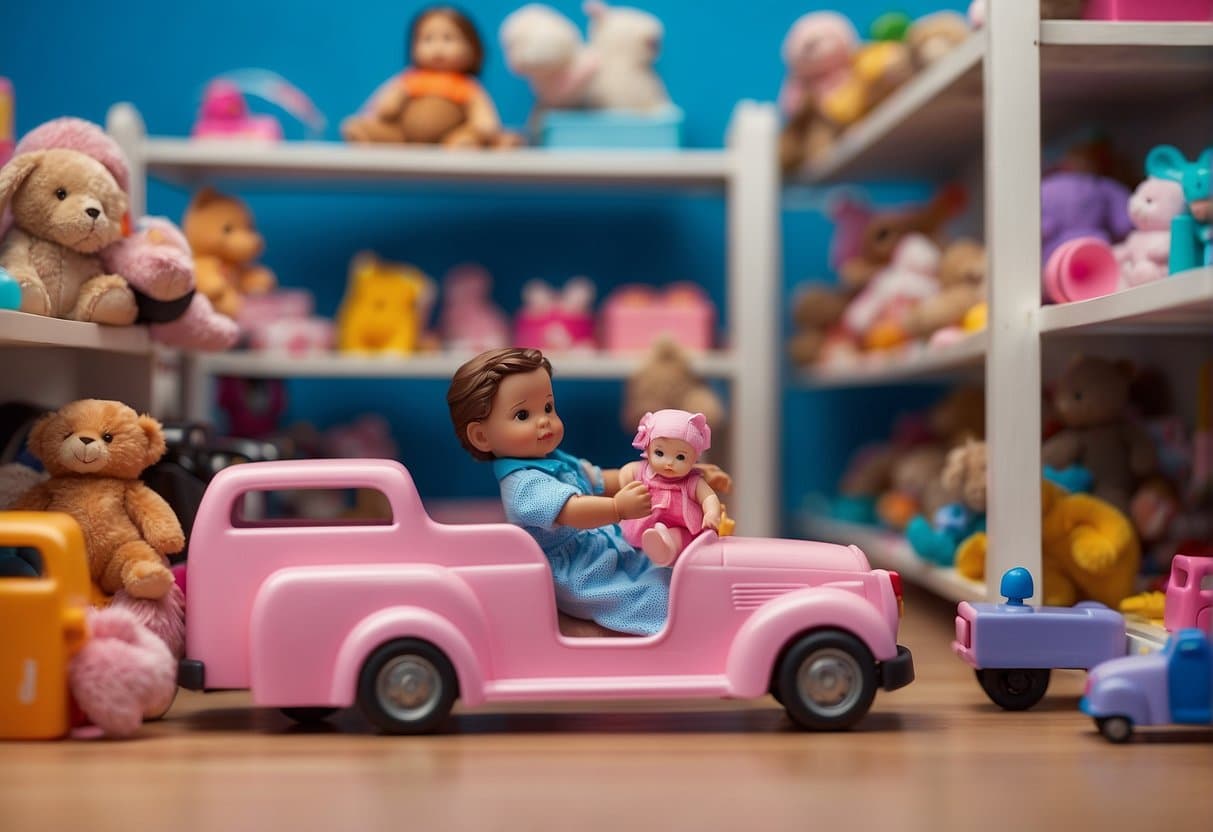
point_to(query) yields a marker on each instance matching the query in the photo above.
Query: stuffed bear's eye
(61, 194)
(107, 438)
(227, 228)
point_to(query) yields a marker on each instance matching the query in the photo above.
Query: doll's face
(523, 422)
(440, 45)
(671, 458)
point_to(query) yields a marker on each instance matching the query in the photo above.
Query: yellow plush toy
(384, 308)
(1089, 550)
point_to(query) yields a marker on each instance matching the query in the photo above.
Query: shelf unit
(1019, 77)
(744, 173)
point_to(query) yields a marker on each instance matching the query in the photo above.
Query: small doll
(437, 100)
(683, 502)
(503, 412)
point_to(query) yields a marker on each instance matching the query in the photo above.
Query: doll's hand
(712, 518)
(633, 501)
(717, 479)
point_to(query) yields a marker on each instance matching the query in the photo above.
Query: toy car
(404, 615)
(1173, 686)
(43, 619)
(1013, 646)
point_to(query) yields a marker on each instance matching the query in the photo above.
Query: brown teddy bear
(225, 243)
(67, 206)
(667, 380)
(1091, 399)
(94, 451)
(962, 285)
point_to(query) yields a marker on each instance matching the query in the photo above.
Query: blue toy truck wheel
(1014, 689)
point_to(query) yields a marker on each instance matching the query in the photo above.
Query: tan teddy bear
(225, 242)
(66, 207)
(94, 451)
(962, 285)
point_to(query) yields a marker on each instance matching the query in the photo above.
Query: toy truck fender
(1120, 697)
(777, 623)
(313, 628)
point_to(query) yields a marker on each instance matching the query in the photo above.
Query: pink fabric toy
(123, 674)
(676, 488)
(634, 317)
(555, 321)
(163, 617)
(817, 51)
(909, 278)
(156, 261)
(1144, 254)
(225, 115)
(469, 320)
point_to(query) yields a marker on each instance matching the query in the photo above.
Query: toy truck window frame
(238, 520)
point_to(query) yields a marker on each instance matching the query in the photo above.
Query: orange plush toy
(225, 243)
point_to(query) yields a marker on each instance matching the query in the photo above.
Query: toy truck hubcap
(408, 687)
(830, 680)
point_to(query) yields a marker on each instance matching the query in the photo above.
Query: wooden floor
(935, 755)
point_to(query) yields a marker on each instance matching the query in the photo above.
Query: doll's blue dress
(598, 574)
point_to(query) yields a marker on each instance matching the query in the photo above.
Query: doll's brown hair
(474, 386)
(462, 22)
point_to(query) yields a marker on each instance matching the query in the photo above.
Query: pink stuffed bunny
(909, 278)
(469, 320)
(1144, 254)
(156, 261)
(551, 320)
(817, 51)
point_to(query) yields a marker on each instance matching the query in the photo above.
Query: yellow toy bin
(44, 618)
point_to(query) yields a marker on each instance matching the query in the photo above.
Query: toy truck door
(43, 622)
(1190, 679)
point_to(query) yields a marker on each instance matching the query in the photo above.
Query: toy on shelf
(1091, 399)
(1171, 687)
(546, 48)
(874, 317)
(817, 52)
(556, 320)
(66, 186)
(1089, 550)
(6, 120)
(282, 322)
(438, 99)
(1081, 215)
(1013, 647)
(468, 320)
(963, 480)
(935, 35)
(225, 114)
(10, 291)
(667, 381)
(1191, 231)
(1195, 10)
(156, 260)
(1146, 252)
(634, 317)
(962, 287)
(385, 307)
(60, 655)
(626, 42)
(683, 504)
(432, 613)
(225, 242)
(914, 486)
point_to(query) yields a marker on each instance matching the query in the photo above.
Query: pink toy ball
(1080, 270)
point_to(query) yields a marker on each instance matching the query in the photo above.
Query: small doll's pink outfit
(674, 502)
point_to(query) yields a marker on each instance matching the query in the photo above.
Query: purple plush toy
(1074, 205)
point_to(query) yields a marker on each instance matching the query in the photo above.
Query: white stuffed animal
(626, 42)
(544, 47)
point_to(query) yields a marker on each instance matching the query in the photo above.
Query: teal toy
(10, 291)
(1191, 233)
(937, 542)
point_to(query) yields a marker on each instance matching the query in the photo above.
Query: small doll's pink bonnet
(691, 428)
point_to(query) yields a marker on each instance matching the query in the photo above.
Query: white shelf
(716, 364)
(916, 363)
(26, 330)
(1182, 302)
(305, 164)
(886, 550)
(1091, 71)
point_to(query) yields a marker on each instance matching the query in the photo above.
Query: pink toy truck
(403, 616)
(1189, 594)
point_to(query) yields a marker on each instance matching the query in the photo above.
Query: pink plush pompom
(165, 617)
(81, 135)
(122, 674)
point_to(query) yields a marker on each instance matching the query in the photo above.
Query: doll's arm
(626, 474)
(716, 477)
(712, 514)
(154, 518)
(581, 512)
(390, 104)
(482, 115)
(37, 498)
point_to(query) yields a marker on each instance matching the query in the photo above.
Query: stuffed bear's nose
(93, 212)
(86, 440)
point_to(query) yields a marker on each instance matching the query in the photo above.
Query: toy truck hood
(768, 553)
(1136, 668)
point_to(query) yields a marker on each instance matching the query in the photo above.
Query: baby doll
(503, 411)
(683, 503)
(437, 100)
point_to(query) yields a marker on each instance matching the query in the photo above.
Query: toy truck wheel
(1116, 729)
(407, 686)
(1014, 689)
(827, 680)
(308, 716)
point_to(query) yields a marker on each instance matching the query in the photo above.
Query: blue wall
(87, 55)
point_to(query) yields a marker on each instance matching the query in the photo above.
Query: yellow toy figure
(384, 308)
(1089, 550)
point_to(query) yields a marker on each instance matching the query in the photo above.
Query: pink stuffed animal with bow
(908, 279)
(556, 320)
(469, 320)
(817, 51)
(1144, 254)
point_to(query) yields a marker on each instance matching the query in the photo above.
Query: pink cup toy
(1080, 270)
(633, 317)
(556, 321)
(225, 113)
(294, 337)
(1200, 10)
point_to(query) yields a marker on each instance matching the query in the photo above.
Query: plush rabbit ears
(1167, 162)
(576, 296)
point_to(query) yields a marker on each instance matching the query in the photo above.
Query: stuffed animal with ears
(552, 319)
(1146, 252)
(625, 42)
(545, 47)
(468, 319)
